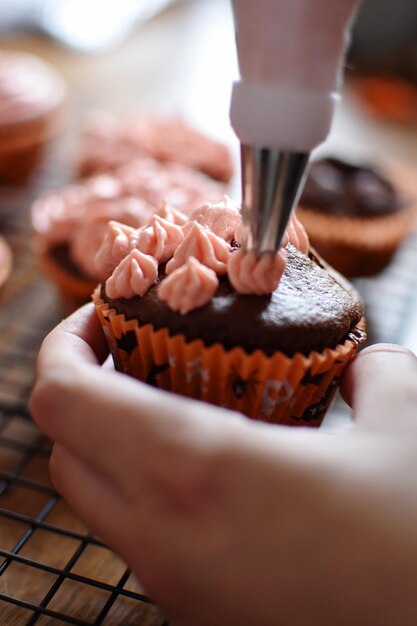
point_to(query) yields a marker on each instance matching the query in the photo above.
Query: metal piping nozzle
(272, 182)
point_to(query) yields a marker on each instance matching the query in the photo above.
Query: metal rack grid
(52, 569)
(47, 580)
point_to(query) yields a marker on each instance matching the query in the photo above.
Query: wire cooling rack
(52, 569)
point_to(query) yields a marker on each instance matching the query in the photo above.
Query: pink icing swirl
(159, 238)
(109, 142)
(205, 246)
(189, 287)
(222, 218)
(296, 235)
(170, 213)
(178, 185)
(84, 247)
(134, 275)
(115, 247)
(250, 274)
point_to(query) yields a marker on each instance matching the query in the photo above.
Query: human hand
(228, 521)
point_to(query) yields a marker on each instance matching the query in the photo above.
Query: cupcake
(108, 143)
(72, 222)
(355, 216)
(31, 100)
(187, 309)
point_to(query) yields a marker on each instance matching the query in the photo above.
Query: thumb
(381, 387)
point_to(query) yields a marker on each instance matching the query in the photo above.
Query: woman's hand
(229, 521)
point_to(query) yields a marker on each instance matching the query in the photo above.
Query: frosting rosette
(204, 245)
(252, 274)
(133, 276)
(159, 238)
(222, 218)
(114, 248)
(205, 241)
(189, 287)
(172, 214)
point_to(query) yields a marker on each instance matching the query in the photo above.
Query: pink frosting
(199, 253)
(180, 186)
(134, 275)
(109, 142)
(131, 195)
(29, 87)
(170, 213)
(250, 274)
(222, 218)
(84, 247)
(205, 246)
(58, 216)
(189, 287)
(114, 248)
(159, 238)
(296, 235)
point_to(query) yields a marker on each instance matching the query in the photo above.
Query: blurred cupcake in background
(32, 95)
(71, 223)
(108, 142)
(357, 216)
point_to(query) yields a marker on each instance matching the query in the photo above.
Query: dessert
(356, 216)
(31, 99)
(267, 336)
(72, 222)
(109, 142)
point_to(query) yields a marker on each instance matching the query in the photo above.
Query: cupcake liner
(287, 390)
(362, 246)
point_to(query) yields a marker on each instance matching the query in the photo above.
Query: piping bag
(290, 55)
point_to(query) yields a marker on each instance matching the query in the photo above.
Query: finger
(79, 339)
(93, 499)
(381, 387)
(116, 424)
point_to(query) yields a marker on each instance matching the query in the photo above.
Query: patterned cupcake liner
(278, 389)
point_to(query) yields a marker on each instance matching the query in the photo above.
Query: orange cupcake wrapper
(278, 389)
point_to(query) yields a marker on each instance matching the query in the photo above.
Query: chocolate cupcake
(71, 223)
(31, 103)
(201, 317)
(355, 216)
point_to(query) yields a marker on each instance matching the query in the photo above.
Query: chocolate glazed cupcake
(355, 216)
(268, 337)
